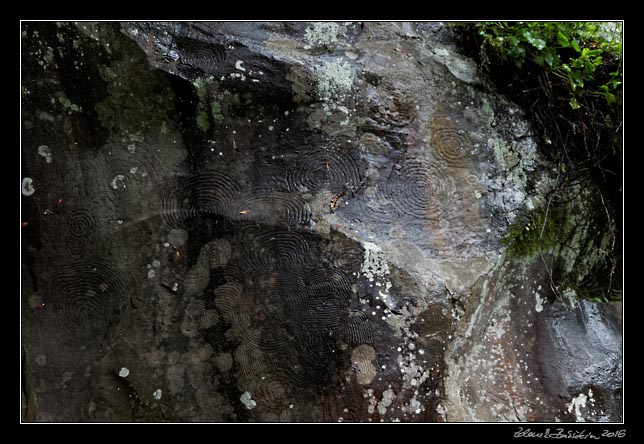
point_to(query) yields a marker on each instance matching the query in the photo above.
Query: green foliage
(534, 232)
(587, 55)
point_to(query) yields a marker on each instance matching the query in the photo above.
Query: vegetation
(586, 55)
(568, 78)
(535, 232)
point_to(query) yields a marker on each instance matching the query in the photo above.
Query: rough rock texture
(286, 222)
(516, 358)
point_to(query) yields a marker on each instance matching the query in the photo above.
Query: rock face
(286, 222)
(516, 358)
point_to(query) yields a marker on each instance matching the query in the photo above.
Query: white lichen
(388, 397)
(570, 295)
(27, 186)
(238, 65)
(157, 394)
(118, 178)
(576, 404)
(334, 82)
(247, 400)
(322, 33)
(45, 151)
(375, 268)
(373, 265)
(66, 103)
(515, 161)
(124, 372)
(538, 306)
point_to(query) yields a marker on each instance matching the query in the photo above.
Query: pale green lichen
(49, 56)
(216, 111)
(322, 33)
(202, 121)
(570, 296)
(66, 103)
(201, 84)
(212, 105)
(247, 400)
(27, 186)
(514, 159)
(334, 81)
(488, 112)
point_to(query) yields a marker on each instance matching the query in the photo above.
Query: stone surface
(286, 222)
(511, 361)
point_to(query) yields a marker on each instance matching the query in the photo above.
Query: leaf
(575, 45)
(589, 69)
(538, 43)
(518, 55)
(563, 167)
(513, 40)
(538, 60)
(534, 41)
(587, 53)
(562, 39)
(527, 36)
(573, 103)
(549, 58)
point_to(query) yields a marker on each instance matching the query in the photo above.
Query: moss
(202, 121)
(216, 112)
(200, 86)
(207, 107)
(138, 98)
(535, 232)
(578, 235)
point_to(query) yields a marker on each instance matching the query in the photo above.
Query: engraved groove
(90, 295)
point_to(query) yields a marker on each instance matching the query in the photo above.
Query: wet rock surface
(286, 222)
(517, 357)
